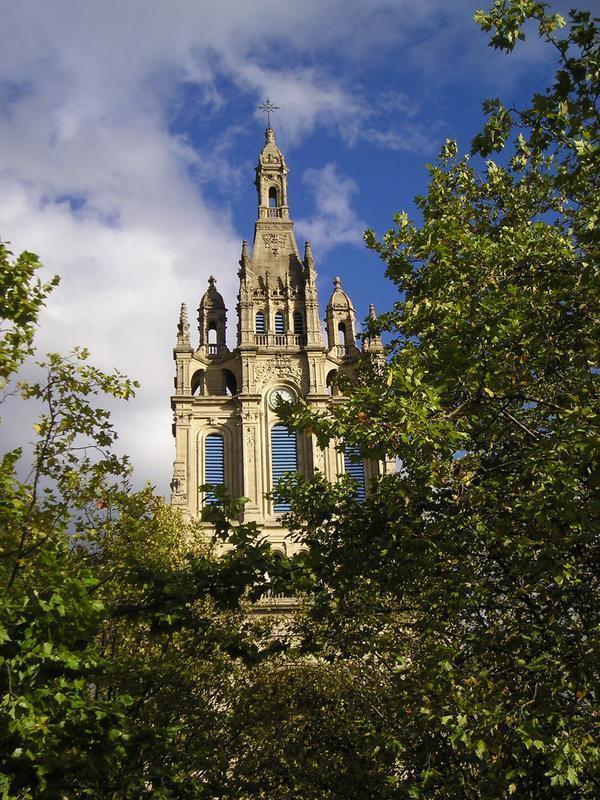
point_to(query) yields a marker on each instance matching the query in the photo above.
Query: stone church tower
(226, 426)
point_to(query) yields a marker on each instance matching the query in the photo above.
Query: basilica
(226, 425)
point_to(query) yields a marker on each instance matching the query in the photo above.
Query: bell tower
(226, 425)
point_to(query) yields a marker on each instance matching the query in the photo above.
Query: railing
(212, 349)
(273, 213)
(280, 339)
(342, 350)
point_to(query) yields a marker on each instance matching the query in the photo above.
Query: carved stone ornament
(250, 439)
(279, 367)
(178, 484)
(274, 241)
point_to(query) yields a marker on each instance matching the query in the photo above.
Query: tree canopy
(471, 575)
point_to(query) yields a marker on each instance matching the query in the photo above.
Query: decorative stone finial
(308, 256)
(244, 261)
(270, 136)
(183, 328)
(372, 341)
(211, 280)
(337, 282)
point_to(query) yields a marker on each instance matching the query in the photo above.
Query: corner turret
(340, 320)
(212, 316)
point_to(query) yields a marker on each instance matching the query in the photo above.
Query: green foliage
(119, 629)
(562, 125)
(22, 294)
(472, 574)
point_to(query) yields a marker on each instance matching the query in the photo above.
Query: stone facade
(280, 348)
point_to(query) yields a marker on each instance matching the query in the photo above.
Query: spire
(372, 341)
(245, 253)
(244, 262)
(309, 261)
(183, 329)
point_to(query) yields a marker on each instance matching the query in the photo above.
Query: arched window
(284, 458)
(212, 333)
(197, 382)
(230, 382)
(272, 197)
(260, 322)
(355, 467)
(341, 333)
(279, 323)
(214, 462)
(330, 381)
(298, 322)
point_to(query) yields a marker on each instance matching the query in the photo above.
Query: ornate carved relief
(279, 367)
(250, 444)
(274, 241)
(178, 485)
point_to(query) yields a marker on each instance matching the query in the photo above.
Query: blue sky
(129, 133)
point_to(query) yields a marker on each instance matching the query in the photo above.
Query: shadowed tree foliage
(472, 576)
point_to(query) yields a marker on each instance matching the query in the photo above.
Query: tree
(471, 577)
(120, 630)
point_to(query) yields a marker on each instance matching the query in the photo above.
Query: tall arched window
(214, 462)
(279, 322)
(260, 322)
(284, 458)
(355, 467)
(341, 333)
(298, 322)
(272, 197)
(212, 333)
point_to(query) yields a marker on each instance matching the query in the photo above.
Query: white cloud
(335, 222)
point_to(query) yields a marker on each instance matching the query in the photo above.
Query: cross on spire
(268, 107)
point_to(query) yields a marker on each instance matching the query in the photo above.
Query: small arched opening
(197, 383)
(341, 333)
(230, 382)
(330, 382)
(212, 333)
(273, 197)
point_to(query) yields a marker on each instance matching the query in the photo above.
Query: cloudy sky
(129, 132)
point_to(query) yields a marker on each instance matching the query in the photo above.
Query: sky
(129, 134)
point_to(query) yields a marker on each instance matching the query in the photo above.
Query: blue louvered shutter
(279, 323)
(298, 322)
(284, 457)
(355, 467)
(214, 462)
(260, 322)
